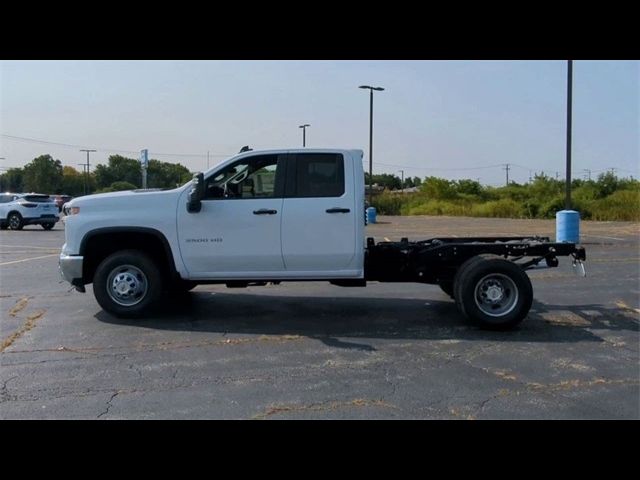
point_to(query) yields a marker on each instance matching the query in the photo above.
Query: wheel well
(100, 245)
(13, 211)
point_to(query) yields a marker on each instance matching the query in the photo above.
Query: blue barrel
(568, 226)
(371, 215)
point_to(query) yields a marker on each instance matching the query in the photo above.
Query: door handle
(265, 211)
(338, 210)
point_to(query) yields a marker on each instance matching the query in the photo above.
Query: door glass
(319, 175)
(253, 177)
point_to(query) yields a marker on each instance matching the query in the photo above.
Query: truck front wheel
(127, 283)
(494, 293)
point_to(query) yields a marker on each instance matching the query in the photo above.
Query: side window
(253, 177)
(318, 175)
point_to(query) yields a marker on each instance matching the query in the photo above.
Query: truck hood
(129, 199)
(133, 196)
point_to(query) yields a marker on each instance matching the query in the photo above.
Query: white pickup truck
(282, 215)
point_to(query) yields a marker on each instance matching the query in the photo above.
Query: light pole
(371, 89)
(567, 187)
(304, 133)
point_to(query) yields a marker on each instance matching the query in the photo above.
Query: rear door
(319, 216)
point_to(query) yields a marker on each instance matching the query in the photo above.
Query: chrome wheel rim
(14, 221)
(496, 295)
(127, 285)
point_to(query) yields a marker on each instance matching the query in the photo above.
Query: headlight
(71, 210)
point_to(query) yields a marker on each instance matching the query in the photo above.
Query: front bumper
(70, 267)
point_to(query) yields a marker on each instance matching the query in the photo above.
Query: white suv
(18, 210)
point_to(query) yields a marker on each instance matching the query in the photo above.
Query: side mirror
(194, 203)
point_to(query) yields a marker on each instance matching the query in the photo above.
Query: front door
(237, 232)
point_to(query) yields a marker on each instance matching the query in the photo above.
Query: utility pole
(304, 133)
(506, 169)
(144, 164)
(557, 175)
(567, 200)
(207, 159)
(86, 173)
(402, 179)
(613, 170)
(529, 176)
(588, 173)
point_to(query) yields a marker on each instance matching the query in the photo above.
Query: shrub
(620, 205)
(505, 208)
(119, 186)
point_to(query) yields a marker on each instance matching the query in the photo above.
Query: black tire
(15, 221)
(4, 226)
(48, 226)
(447, 287)
(133, 267)
(494, 293)
(462, 269)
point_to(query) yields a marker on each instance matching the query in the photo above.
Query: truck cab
(277, 215)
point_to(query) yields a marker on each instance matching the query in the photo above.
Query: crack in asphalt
(109, 404)
(19, 306)
(150, 347)
(28, 325)
(321, 407)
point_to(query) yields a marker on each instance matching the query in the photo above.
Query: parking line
(28, 246)
(601, 236)
(27, 259)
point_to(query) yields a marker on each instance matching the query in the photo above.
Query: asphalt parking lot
(312, 350)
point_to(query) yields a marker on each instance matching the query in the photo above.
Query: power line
(109, 149)
(437, 168)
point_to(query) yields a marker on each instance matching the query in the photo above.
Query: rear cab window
(314, 175)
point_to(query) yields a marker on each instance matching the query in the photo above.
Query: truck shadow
(332, 319)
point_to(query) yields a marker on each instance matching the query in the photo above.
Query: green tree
(72, 181)
(166, 175)
(43, 175)
(606, 184)
(12, 180)
(468, 187)
(118, 169)
(438, 188)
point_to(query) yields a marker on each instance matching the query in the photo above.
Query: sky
(453, 119)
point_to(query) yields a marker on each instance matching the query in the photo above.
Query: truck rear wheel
(127, 283)
(493, 293)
